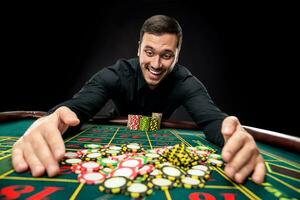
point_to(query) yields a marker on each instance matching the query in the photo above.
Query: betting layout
(73, 183)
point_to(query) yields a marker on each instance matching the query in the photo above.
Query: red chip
(131, 162)
(91, 177)
(127, 172)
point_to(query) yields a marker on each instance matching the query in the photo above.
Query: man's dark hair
(161, 24)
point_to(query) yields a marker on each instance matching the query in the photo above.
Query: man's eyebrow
(164, 51)
(148, 47)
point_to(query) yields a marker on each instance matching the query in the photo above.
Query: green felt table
(282, 180)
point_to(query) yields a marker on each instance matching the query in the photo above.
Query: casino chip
(138, 190)
(196, 173)
(171, 172)
(131, 162)
(92, 146)
(114, 185)
(70, 155)
(215, 162)
(72, 161)
(128, 172)
(91, 177)
(189, 183)
(160, 183)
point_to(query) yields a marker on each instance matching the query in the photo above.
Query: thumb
(67, 116)
(229, 126)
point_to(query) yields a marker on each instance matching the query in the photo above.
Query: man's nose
(156, 61)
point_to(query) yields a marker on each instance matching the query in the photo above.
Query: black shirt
(125, 85)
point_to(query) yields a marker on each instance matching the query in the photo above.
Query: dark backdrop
(244, 54)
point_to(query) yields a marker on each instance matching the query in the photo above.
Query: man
(153, 82)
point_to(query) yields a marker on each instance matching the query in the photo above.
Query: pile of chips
(144, 123)
(131, 170)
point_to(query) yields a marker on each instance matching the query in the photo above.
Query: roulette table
(281, 154)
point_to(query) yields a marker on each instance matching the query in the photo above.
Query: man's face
(157, 57)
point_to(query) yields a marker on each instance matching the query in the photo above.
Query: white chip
(137, 187)
(131, 163)
(190, 181)
(115, 182)
(201, 167)
(196, 172)
(112, 151)
(124, 171)
(171, 171)
(93, 155)
(93, 176)
(115, 148)
(71, 155)
(89, 165)
(161, 182)
(133, 146)
(73, 161)
(93, 146)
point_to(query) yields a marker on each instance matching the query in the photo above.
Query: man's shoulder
(180, 72)
(125, 64)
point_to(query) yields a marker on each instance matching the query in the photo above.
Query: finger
(244, 172)
(259, 171)
(45, 156)
(55, 142)
(68, 116)
(233, 145)
(229, 125)
(18, 160)
(36, 167)
(244, 155)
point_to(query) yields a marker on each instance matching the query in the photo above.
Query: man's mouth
(155, 72)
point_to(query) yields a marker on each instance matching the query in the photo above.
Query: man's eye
(149, 53)
(167, 56)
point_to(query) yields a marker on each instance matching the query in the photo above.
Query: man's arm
(42, 146)
(240, 152)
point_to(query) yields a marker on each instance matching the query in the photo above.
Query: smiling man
(153, 82)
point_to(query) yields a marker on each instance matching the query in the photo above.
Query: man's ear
(139, 48)
(177, 55)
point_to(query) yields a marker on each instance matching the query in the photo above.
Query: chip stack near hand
(131, 170)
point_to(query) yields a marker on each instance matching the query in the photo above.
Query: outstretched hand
(241, 153)
(42, 145)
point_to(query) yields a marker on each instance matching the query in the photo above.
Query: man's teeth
(155, 72)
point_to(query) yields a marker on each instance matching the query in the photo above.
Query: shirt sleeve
(94, 94)
(202, 109)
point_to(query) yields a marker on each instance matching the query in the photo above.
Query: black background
(245, 54)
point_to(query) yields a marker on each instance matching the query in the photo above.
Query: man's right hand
(42, 145)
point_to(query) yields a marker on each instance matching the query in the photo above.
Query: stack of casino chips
(157, 116)
(144, 123)
(131, 170)
(153, 126)
(133, 122)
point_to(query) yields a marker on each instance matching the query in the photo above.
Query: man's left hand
(241, 153)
